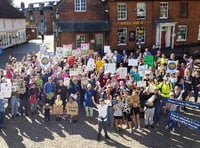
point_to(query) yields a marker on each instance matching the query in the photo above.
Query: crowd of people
(118, 100)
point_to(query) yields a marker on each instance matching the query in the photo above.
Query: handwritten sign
(141, 84)
(57, 109)
(72, 108)
(142, 70)
(149, 60)
(85, 48)
(132, 62)
(59, 52)
(44, 60)
(77, 52)
(90, 64)
(75, 71)
(122, 71)
(67, 50)
(5, 90)
(110, 67)
(107, 49)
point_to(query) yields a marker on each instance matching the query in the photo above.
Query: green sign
(149, 60)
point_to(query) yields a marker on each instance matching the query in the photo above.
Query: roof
(85, 26)
(8, 11)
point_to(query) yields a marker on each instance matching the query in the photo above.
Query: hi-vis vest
(165, 89)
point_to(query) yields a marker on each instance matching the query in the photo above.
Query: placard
(5, 90)
(44, 60)
(59, 52)
(72, 109)
(75, 71)
(110, 68)
(76, 53)
(132, 62)
(57, 109)
(66, 82)
(85, 48)
(149, 60)
(171, 66)
(107, 49)
(67, 50)
(141, 83)
(122, 71)
(142, 70)
(91, 64)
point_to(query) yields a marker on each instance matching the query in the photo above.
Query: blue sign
(184, 103)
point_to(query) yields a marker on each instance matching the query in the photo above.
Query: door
(163, 38)
(98, 43)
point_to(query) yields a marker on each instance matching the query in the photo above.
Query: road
(33, 132)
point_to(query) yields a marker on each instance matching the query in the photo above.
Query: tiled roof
(8, 11)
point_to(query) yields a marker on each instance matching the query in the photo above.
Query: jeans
(170, 121)
(24, 106)
(148, 116)
(157, 113)
(110, 116)
(89, 111)
(14, 105)
(196, 94)
(1, 118)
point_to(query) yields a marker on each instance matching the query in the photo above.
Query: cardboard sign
(76, 53)
(110, 68)
(57, 109)
(75, 72)
(132, 62)
(72, 108)
(66, 82)
(122, 71)
(171, 66)
(5, 90)
(67, 50)
(91, 64)
(142, 70)
(149, 60)
(85, 48)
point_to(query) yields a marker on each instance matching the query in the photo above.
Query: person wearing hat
(102, 117)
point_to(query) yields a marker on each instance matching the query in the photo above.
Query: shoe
(74, 122)
(166, 127)
(130, 131)
(138, 128)
(13, 117)
(146, 126)
(173, 129)
(133, 128)
(98, 137)
(107, 137)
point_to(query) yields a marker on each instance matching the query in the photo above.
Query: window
(80, 38)
(122, 36)
(141, 10)
(164, 10)
(121, 11)
(199, 33)
(140, 35)
(80, 5)
(183, 10)
(182, 33)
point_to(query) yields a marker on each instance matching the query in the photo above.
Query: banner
(110, 68)
(59, 52)
(149, 60)
(171, 66)
(85, 48)
(44, 60)
(142, 70)
(184, 103)
(5, 90)
(185, 121)
(122, 71)
(67, 50)
(132, 62)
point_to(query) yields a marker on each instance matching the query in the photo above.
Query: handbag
(32, 99)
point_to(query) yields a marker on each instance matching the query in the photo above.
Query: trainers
(166, 127)
(130, 131)
(138, 128)
(133, 128)
(146, 126)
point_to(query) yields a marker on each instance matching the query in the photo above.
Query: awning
(164, 21)
(84, 26)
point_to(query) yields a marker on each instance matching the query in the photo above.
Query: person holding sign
(58, 108)
(71, 109)
(49, 90)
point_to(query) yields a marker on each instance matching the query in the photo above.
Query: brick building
(39, 18)
(132, 24)
(81, 21)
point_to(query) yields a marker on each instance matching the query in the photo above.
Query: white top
(102, 110)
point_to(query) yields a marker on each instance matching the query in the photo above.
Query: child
(58, 108)
(47, 112)
(72, 109)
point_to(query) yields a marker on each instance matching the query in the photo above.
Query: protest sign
(75, 71)
(184, 103)
(66, 82)
(76, 53)
(57, 109)
(149, 60)
(90, 64)
(85, 48)
(18, 65)
(44, 60)
(43, 49)
(194, 124)
(72, 108)
(122, 71)
(110, 68)
(59, 52)
(67, 50)
(132, 62)
(171, 66)
(142, 70)
(107, 49)
(141, 83)
(5, 90)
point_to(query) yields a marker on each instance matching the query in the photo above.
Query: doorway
(98, 43)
